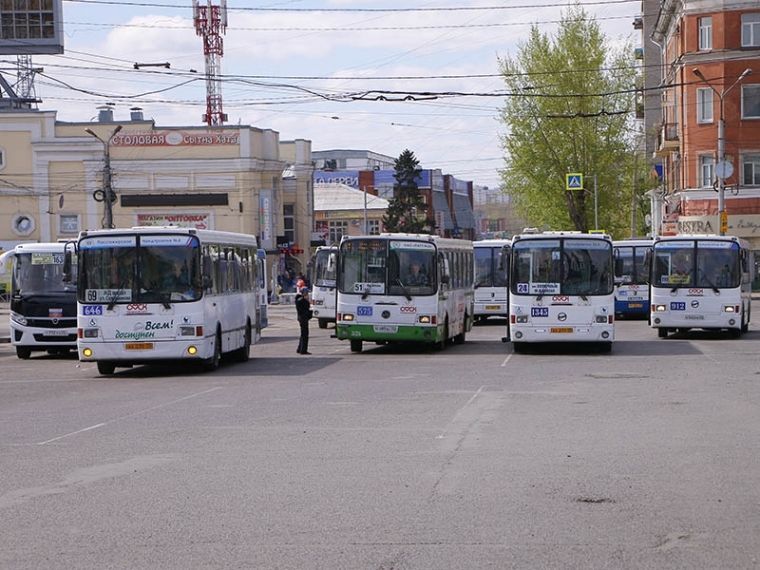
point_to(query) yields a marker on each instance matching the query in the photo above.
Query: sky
(312, 69)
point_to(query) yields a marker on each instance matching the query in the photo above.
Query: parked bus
(262, 318)
(43, 308)
(631, 278)
(491, 284)
(404, 288)
(701, 281)
(323, 266)
(151, 294)
(562, 289)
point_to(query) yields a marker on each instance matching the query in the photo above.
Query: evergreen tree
(406, 211)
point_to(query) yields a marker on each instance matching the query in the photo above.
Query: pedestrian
(304, 314)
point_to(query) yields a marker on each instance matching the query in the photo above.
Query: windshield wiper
(365, 293)
(115, 297)
(403, 288)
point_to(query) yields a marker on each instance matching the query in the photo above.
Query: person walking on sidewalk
(304, 314)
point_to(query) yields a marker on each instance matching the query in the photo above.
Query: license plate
(694, 317)
(56, 332)
(635, 305)
(492, 307)
(635, 298)
(385, 328)
(138, 346)
(561, 330)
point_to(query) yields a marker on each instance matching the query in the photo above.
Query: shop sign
(747, 225)
(199, 221)
(176, 138)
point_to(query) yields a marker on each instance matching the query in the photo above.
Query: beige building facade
(233, 178)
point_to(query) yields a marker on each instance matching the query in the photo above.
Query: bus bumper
(36, 338)
(722, 320)
(565, 333)
(497, 309)
(389, 332)
(145, 351)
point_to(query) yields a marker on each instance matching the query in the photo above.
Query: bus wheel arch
(461, 337)
(243, 354)
(213, 362)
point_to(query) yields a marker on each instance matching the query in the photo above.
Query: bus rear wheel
(106, 368)
(356, 346)
(23, 352)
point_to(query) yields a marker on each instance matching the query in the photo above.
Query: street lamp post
(108, 194)
(721, 168)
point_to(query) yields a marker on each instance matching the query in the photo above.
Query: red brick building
(706, 48)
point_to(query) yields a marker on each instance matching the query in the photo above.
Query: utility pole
(596, 206)
(109, 197)
(722, 169)
(366, 229)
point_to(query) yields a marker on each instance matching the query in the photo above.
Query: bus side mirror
(67, 267)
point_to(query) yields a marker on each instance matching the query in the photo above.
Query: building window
(706, 171)
(337, 231)
(751, 29)
(704, 105)
(68, 223)
(751, 170)
(289, 222)
(373, 227)
(751, 101)
(705, 33)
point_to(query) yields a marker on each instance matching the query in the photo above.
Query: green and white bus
(404, 288)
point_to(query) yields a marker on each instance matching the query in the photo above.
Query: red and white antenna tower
(210, 23)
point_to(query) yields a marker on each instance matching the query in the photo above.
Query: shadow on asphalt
(276, 339)
(288, 366)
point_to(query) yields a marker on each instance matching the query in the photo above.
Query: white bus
(151, 294)
(323, 267)
(701, 281)
(491, 284)
(631, 277)
(562, 289)
(404, 288)
(43, 308)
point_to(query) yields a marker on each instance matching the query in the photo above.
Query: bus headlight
(522, 319)
(187, 331)
(346, 317)
(87, 352)
(659, 308)
(90, 333)
(601, 319)
(19, 319)
(731, 308)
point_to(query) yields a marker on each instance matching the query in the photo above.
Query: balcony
(667, 140)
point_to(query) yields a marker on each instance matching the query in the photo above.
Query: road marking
(459, 411)
(503, 364)
(146, 410)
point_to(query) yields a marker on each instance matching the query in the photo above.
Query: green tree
(571, 109)
(406, 210)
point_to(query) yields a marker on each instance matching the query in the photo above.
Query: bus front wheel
(212, 363)
(461, 337)
(322, 323)
(356, 346)
(243, 354)
(662, 332)
(106, 368)
(23, 352)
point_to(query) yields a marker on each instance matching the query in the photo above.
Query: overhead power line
(364, 10)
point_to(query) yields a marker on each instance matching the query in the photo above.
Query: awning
(463, 212)
(441, 207)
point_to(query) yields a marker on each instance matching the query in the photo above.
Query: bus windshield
(562, 267)
(388, 267)
(41, 274)
(712, 264)
(487, 268)
(629, 265)
(160, 269)
(325, 265)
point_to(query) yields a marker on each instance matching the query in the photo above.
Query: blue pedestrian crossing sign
(574, 181)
